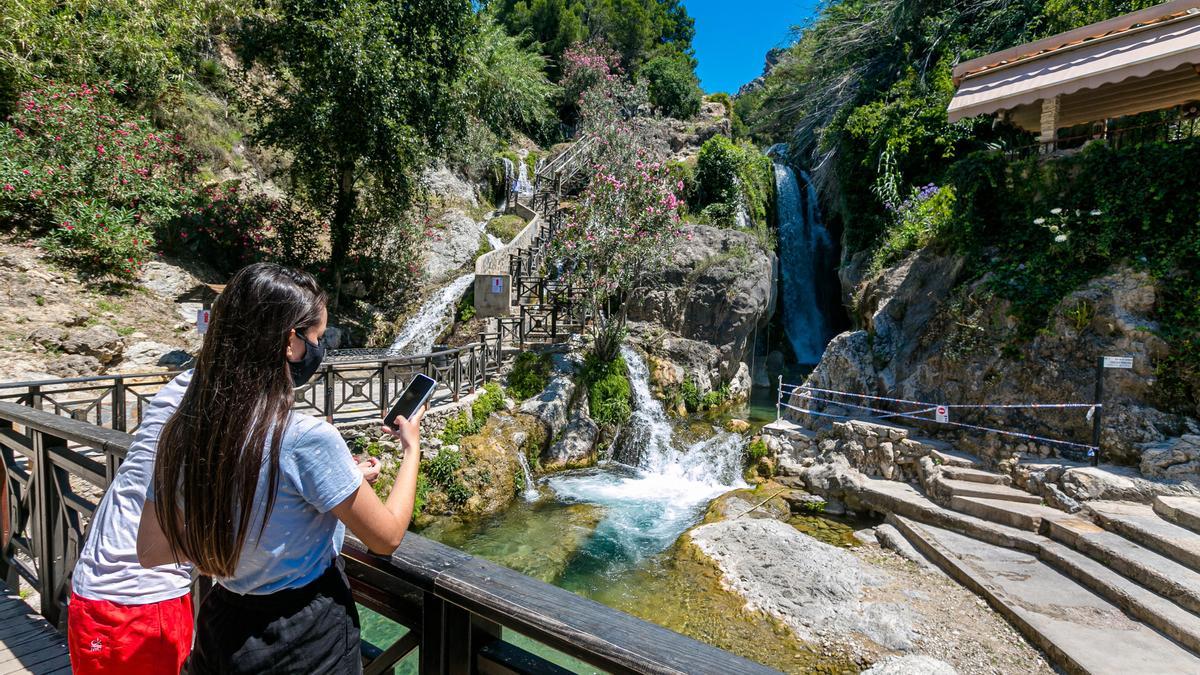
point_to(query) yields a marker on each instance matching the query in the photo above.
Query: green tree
(717, 168)
(672, 85)
(504, 84)
(367, 91)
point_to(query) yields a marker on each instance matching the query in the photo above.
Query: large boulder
(99, 341)
(716, 290)
(149, 354)
(453, 245)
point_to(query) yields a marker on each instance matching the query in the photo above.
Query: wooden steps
(28, 643)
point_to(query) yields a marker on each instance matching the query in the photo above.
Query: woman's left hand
(370, 468)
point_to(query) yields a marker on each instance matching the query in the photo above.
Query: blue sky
(733, 36)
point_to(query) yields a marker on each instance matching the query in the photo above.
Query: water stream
(423, 328)
(806, 254)
(530, 492)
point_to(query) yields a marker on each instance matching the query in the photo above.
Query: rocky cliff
(702, 309)
(926, 334)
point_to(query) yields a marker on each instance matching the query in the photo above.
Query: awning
(1147, 67)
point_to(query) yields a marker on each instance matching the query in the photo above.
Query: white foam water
(530, 493)
(420, 332)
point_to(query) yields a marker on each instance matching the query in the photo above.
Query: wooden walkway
(28, 643)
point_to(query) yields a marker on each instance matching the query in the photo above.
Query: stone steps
(945, 455)
(963, 488)
(1023, 516)
(1141, 524)
(1164, 576)
(975, 476)
(903, 501)
(1081, 631)
(1183, 511)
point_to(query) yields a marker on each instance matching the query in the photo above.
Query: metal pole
(779, 400)
(1098, 411)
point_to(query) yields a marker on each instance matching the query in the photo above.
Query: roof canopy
(1147, 60)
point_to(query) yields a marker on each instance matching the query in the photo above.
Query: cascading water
(423, 328)
(523, 186)
(649, 505)
(805, 253)
(530, 493)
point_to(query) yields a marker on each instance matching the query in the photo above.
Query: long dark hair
(210, 452)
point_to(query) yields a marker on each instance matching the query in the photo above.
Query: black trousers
(313, 629)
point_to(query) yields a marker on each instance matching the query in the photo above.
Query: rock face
(667, 137)
(710, 298)
(453, 244)
(925, 337)
(912, 664)
(815, 588)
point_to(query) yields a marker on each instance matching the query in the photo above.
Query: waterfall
(530, 493)
(493, 241)
(712, 462)
(805, 254)
(648, 505)
(523, 186)
(423, 328)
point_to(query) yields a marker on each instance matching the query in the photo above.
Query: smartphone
(415, 395)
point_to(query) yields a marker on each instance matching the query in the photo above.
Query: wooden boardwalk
(28, 643)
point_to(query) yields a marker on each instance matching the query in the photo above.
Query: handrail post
(35, 397)
(456, 378)
(329, 393)
(383, 387)
(50, 540)
(779, 400)
(118, 417)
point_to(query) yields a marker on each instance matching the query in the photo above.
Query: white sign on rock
(497, 284)
(942, 414)
(1118, 362)
(202, 317)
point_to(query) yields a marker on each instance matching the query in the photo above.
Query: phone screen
(414, 396)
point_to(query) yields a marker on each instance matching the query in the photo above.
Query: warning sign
(497, 284)
(202, 317)
(1118, 362)
(942, 413)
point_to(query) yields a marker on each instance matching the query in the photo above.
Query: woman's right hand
(408, 431)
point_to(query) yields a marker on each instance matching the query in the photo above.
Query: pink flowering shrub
(230, 228)
(94, 178)
(595, 84)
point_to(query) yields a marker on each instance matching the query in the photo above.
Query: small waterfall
(530, 493)
(714, 462)
(805, 254)
(493, 241)
(423, 328)
(523, 186)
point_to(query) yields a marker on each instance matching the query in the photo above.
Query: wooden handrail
(454, 604)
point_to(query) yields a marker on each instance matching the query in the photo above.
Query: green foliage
(506, 227)
(919, 220)
(95, 177)
(150, 45)
(504, 84)
(717, 168)
(458, 493)
(441, 469)
(1043, 228)
(635, 28)
(729, 176)
(529, 375)
(371, 90)
(694, 401)
(466, 307)
(609, 393)
(469, 422)
(756, 450)
(672, 84)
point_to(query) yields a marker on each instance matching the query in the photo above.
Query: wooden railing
(342, 389)
(456, 607)
(1172, 130)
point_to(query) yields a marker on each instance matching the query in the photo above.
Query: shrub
(694, 401)
(609, 392)
(228, 228)
(919, 220)
(98, 178)
(441, 469)
(756, 450)
(467, 423)
(529, 376)
(506, 227)
(458, 493)
(672, 85)
(717, 168)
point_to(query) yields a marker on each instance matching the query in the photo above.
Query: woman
(256, 496)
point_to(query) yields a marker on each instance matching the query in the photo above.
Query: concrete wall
(493, 265)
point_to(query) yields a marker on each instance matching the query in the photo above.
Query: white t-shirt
(108, 567)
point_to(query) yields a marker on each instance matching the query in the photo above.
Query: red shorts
(106, 638)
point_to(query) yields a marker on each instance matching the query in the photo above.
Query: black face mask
(303, 370)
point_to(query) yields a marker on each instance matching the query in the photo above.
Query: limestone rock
(737, 426)
(1173, 458)
(816, 589)
(444, 183)
(100, 342)
(452, 246)
(551, 407)
(74, 365)
(149, 354)
(575, 447)
(1120, 484)
(910, 664)
(717, 289)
